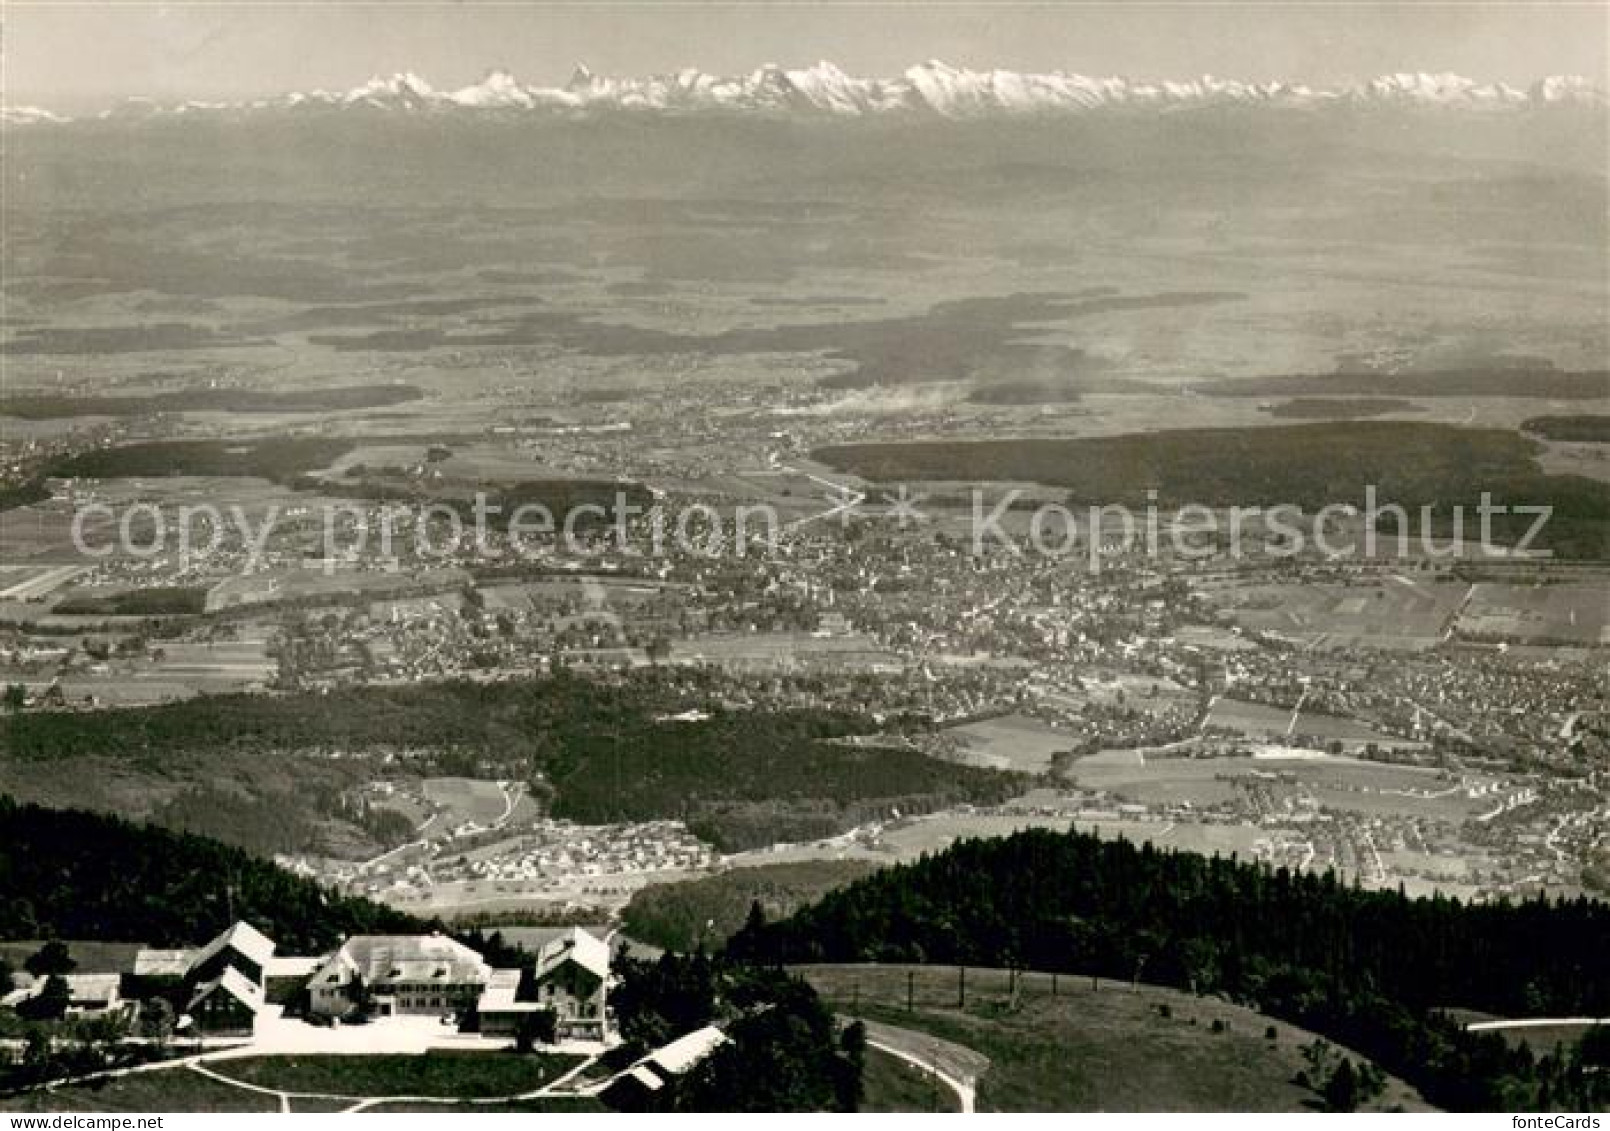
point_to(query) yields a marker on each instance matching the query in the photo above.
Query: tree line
(78, 875)
(1373, 970)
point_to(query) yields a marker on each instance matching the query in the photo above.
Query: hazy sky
(77, 56)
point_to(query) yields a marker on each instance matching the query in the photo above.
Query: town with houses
(633, 536)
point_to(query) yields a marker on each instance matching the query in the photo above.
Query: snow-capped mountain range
(933, 88)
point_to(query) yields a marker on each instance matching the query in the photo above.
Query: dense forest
(280, 459)
(54, 406)
(692, 913)
(23, 494)
(1539, 380)
(1575, 429)
(1304, 465)
(71, 874)
(1330, 408)
(157, 600)
(292, 461)
(1369, 969)
(599, 752)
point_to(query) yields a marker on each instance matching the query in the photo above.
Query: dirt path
(554, 1087)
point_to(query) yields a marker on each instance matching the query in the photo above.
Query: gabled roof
(243, 938)
(575, 945)
(233, 983)
(383, 960)
(687, 1050)
(292, 966)
(151, 963)
(502, 994)
(668, 1062)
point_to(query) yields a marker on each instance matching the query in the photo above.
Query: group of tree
(784, 1050)
(35, 1057)
(70, 874)
(601, 751)
(1410, 463)
(1372, 970)
(1344, 1085)
(56, 406)
(77, 875)
(701, 912)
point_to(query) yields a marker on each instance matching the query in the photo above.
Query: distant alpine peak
(933, 88)
(27, 115)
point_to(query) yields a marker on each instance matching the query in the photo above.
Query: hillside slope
(1369, 969)
(1112, 1048)
(72, 874)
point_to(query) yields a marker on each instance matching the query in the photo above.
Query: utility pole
(911, 989)
(961, 987)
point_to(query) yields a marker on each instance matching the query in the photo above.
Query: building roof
(150, 963)
(93, 990)
(292, 966)
(233, 983)
(686, 1051)
(670, 1061)
(99, 989)
(382, 960)
(502, 994)
(244, 939)
(588, 951)
(646, 1076)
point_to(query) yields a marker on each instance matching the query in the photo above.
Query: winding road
(956, 1066)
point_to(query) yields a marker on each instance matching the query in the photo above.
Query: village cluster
(239, 987)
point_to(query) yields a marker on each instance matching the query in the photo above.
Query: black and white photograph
(865, 556)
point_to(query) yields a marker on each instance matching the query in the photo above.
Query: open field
(105, 957)
(1396, 611)
(32, 583)
(1559, 614)
(467, 799)
(1250, 718)
(177, 669)
(1261, 720)
(786, 650)
(908, 839)
(891, 1084)
(1338, 782)
(1092, 1049)
(1009, 742)
(465, 1075)
(169, 1089)
(1544, 1039)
